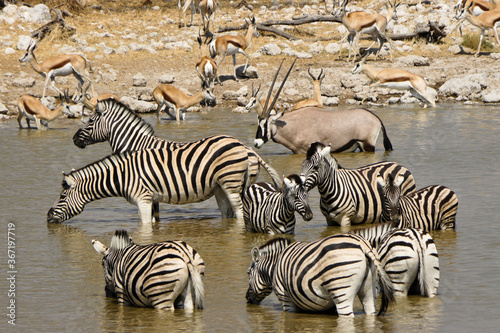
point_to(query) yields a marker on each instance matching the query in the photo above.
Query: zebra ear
(380, 180)
(69, 181)
(288, 183)
(399, 180)
(255, 254)
(325, 151)
(100, 247)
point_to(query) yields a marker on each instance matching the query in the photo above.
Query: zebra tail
(274, 175)
(422, 272)
(385, 283)
(198, 291)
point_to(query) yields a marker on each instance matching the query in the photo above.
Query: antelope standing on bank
(487, 20)
(206, 66)
(232, 45)
(365, 23)
(316, 100)
(194, 4)
(207, 11)
(393, 78)
(60, 65)
(31, 108)
(173, 98)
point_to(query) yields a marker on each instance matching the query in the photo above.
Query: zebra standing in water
(320, 275)
(125, 131)
(194, 172)
(409, 256)
(272, 211)
(349, 196)
(161, 275)
(430, 208)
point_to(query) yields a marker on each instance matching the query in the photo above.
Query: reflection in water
(60, 285)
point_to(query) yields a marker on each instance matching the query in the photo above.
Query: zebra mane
(275, 244)
(91, 164)
(115, 106)
(120, 240)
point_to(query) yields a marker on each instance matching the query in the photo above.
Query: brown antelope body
(317, 101)
(485, 21)
(31, 108)
(206, 66)
(60, 65)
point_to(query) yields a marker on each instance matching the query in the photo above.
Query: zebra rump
(409, 256)
(165, 275)
(321, 275)
(430, 208)
(349, 196)
(272, 211)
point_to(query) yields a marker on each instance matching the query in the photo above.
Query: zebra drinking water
(163, 275)
(430, 208)
(320, 275)
(349, 196)
(269, 210)
(125, 131)
(409, 256)
(193, 172)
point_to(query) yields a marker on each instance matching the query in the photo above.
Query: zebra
(409, 256)
(125, 131)
(194, 172)
(269, 210)
(430, 208)
(320, 275)
(349, 196)
(165, 275)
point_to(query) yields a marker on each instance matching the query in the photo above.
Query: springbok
(345, 130)
(206, 66)
(31, 108)
(255, 102)
(173, 98)
(60, 65)
(393, 78)
(486, 20)
(365, 23)
(477, 8)
(317, 100)
(207, 11)
(232, 45)
(194, 4)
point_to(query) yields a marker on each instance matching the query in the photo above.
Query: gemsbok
(486, 20)
(393, 78)
(316, 100)
(60, 65)
(31, 108)
(174, 98)
(206, 66)
(361, 22)
(345, 130)
(232, 45)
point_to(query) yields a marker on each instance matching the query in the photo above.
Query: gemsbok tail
(198, 291)
(387, 142)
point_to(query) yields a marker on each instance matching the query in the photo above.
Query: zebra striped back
(272, 211)
(349, 196)
(323, 274)
(155, 275)
(430, 208)
(191, 173)
(409, 257)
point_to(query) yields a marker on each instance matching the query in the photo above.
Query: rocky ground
(134, 49)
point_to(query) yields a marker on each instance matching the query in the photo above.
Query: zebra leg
(156, 211)
(145, 206)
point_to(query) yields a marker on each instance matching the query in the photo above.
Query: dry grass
(472, 41)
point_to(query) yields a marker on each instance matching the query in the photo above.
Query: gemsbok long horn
(267, 111)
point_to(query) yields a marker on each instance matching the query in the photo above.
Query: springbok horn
(264, 111)
(321, 75)
(281, 87)
(310, 74)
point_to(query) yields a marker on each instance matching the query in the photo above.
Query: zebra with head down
(165, 275)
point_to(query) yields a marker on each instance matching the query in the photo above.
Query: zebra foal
(409, 256)
(349, 196)
(194, 172)
(320, 275)
(165, 275)
(430, 208)
(272, 211)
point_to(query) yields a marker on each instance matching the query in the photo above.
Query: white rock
(270, 49)
(138, 106)
(491, 96)
(9, 50)
(139, 80)
(23, 42)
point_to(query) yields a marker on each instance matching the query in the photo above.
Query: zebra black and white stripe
(165, 275)
(321, 275)
(349, 196)
(194, 172)
(125, 131)
(409, 256)
(430, 208)
(270, 210)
